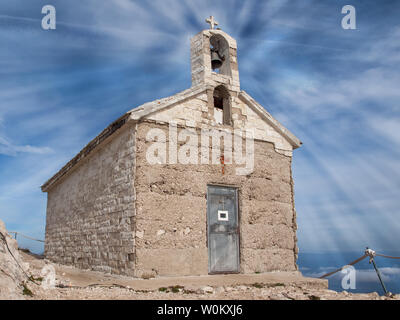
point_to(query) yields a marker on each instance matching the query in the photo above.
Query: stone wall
(90, 211)
(171, 234)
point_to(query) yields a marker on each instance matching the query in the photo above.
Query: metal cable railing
(368, 253)
(24, 236)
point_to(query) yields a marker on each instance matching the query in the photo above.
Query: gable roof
(266, 116)
(158, 105)
(135, 114)
(138, 113)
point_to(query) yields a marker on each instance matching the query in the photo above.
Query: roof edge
(148, 108)
(157, 105)
(107, 132)
(289, 136)
(135, 115)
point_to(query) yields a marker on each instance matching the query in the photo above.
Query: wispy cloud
(9, 149)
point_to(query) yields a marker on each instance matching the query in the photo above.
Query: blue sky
(336, 89)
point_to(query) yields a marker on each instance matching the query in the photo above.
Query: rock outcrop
(12, 268)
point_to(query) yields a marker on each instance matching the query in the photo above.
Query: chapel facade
(196, 183)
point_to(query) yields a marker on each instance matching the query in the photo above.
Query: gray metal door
(222, 230)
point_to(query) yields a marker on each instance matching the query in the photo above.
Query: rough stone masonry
(110, 209)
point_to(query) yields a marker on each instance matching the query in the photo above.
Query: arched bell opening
(220, 58)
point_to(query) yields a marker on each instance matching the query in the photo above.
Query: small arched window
(222, 105)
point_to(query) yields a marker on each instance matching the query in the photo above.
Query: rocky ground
(67, 287)
(219, 293)
(27, 276)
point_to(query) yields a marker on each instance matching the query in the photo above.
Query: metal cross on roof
(212, 22)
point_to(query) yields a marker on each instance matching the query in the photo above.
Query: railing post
(379, 276)
(371, 253)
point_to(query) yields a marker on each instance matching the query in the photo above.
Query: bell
(216, 61)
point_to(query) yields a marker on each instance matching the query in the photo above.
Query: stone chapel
(193, 184)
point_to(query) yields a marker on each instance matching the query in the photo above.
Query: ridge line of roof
(292, 139)
(136, 114)
(156, 105)
(141, 111)
(84, 152)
